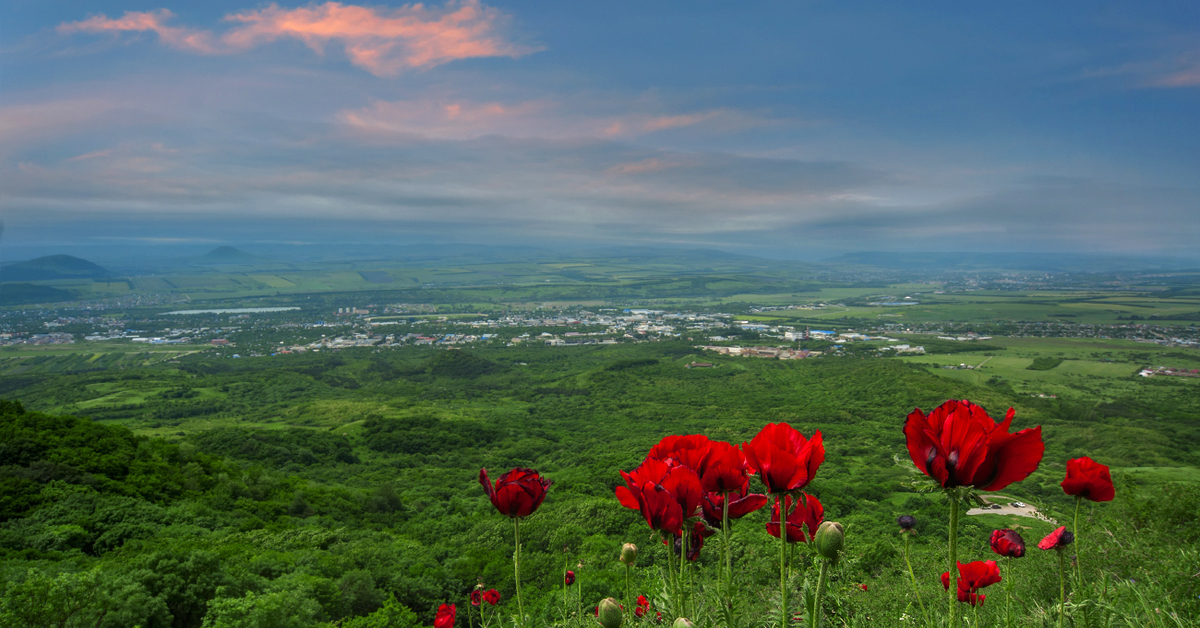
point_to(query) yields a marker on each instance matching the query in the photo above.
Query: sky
(797, 129)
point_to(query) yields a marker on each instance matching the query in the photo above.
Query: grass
(1093, 368)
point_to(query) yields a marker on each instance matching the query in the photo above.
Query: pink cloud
(459, 118)
(384, 42)
(141, 21)
(448, 119)
(92, 155)
(642, 167)
(1184, 78)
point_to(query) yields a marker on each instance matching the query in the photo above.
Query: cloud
(142, 21)
(462, 118)
(383, 42)
(1183, 78)
(1178, 70)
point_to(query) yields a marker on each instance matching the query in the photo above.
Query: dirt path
(1007, 508)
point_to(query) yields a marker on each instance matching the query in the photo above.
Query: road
(1007, 509)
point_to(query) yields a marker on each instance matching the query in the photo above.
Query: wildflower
(1057, 539)
(445, 617)
(1088, 479)
(1008, 543)
(808, 513)
(958, 444)
(517, 493)
(784, 458)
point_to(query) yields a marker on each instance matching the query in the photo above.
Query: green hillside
(345, 485)
(52, 267)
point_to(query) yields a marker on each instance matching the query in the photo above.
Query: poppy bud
(628, 553)
(609, 613)
(830, 540)
(906, 522)
(683, 622)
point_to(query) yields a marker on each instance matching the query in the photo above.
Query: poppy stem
(818, 615)
(728, 557)
(628, 591)
(674, 575)
(913, 577)
(1062, 587)
(952, 614)
(1078, 557)
(684, 586)
(517, 565)
(1008, 586)
(783, 573)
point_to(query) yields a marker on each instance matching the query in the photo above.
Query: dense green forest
(342, 488)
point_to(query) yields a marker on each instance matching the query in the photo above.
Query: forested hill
(52, 267)
(372, 515)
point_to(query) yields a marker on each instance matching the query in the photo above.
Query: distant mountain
(1050, 262)
(52, 267)
(228, 255)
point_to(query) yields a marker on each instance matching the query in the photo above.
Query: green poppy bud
(628, 553)
(683, 622)
(830, 540)
(610, 614)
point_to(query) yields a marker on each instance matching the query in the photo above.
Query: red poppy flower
(1008, 543)
(863, 587)
(1088, 479)
(445, 617)
(972, 577)
(958, 444)
(807, 513)
(979, 574)
(689, 451)
(517, 493)
(726, 470)
(656, 504)
(741, 504)
(491, 596)
(695, 540)
(643, 605)
(570, 579)
(665, 495)
(785, 460)
(476, 596)
(1061, 537)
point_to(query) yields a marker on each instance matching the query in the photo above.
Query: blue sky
(789, 129)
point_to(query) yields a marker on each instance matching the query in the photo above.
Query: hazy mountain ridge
(53, 267)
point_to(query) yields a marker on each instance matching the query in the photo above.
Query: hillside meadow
(343, 487)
